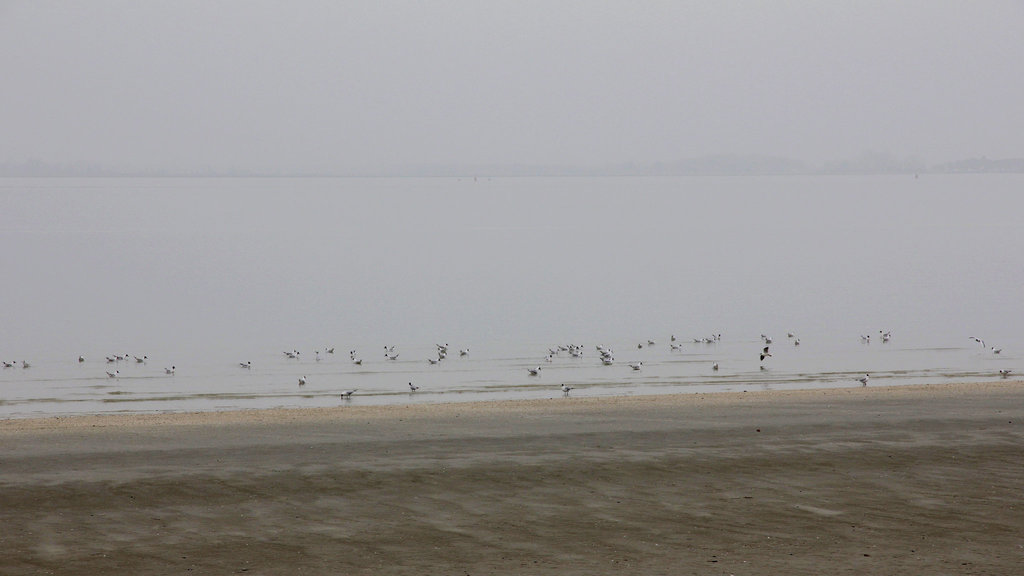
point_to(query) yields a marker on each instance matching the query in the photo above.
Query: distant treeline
(724, 164)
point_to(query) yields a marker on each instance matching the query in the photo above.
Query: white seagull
(169, 370)
(566, 389)
(81, 358)
(637, 365)
(113, 374)
(534, 371)
(715, 366)
(765, 354)
(864, 380)
(302, 380)
(413, 387)
(996, 350)
(1004, 373)
(347, 394)
(246, 365)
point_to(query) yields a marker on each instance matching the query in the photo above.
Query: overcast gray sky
(326, 85)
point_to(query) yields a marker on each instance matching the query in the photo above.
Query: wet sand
(905, 480)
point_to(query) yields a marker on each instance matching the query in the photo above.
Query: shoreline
(874, 481)
(483, 407)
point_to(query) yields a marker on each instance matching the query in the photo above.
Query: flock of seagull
(605, 355)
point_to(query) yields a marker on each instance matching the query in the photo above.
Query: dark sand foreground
(921, 480)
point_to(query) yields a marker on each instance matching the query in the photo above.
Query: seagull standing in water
(113, 374)
(413, 387)
(534, 371)
(864, 380)
(347, 394)
(246, 365)
(169, 370)
(566, 389)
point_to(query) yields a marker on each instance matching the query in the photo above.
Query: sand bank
(869, 480)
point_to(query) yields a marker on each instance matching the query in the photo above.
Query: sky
(356, 86)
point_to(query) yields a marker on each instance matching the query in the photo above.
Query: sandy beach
(901, 480)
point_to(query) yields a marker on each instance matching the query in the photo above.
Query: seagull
(413, 387)
(885, 335)
(347, 394)
(566, 389)
(392, 356)
(796, 342)
(317, 352)
(765, 354)
(169, 370)
(25, 364)
(140, 360)
(464, 352)
(978, 340)
(637, 365)
(864, 380)
(245, 364)
(534, 371)
(302, 380)
(81, 358)
(357, 361)
(1004, 373)
(996, 350)
(8, 364)
(330, 350)
(113, 374)
(432, 361)
(715, 366)
(111, 359)
(865, 338)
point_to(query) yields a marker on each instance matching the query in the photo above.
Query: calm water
(205, 273)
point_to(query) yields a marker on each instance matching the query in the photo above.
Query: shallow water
(205, 273)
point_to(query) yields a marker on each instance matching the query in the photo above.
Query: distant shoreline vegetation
(715, 165)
